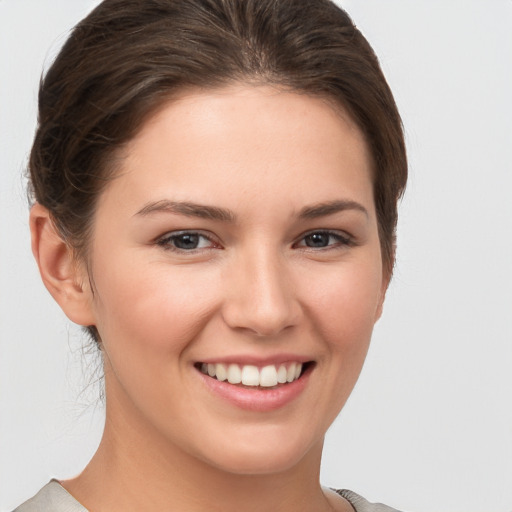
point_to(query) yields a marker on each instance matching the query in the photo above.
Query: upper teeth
(250, 375)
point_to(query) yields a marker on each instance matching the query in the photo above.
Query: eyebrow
(224, 215)
(189, 209)
(330, 208)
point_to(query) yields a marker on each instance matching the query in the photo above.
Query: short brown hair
(128, 57)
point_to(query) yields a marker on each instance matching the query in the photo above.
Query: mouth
(269, 377)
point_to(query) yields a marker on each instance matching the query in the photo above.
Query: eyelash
(167, 242)
(342, 240)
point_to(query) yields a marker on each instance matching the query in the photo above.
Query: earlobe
(62, 276)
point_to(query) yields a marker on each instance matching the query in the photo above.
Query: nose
(260, 295)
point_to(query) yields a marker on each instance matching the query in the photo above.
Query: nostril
(262, 324)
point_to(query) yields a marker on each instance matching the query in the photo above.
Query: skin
(252, 288)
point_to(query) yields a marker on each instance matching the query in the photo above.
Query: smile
(250, 375)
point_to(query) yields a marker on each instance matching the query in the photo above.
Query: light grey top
(359, 504)
(54, 498)
(51, 498)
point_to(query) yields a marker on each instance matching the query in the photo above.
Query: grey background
(429, 426)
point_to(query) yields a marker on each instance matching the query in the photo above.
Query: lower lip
(257, 399)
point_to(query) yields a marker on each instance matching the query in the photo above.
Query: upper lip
(246, 359)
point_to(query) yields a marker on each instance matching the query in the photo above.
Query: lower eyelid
(342, 239)
(166, 241)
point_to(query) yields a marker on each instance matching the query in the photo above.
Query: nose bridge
(261, 297)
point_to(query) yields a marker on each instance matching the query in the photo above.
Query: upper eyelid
(334, 232)
(178, 232)
(169, 235)
(344, 241)
(214, 240)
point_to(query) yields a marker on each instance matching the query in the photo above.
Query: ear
(64, 278)
(382, 296)
(386, 278)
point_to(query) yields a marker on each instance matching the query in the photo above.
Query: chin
(269, 454)
(257, 464)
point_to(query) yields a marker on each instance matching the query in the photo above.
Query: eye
(185, 241)
(324, 240)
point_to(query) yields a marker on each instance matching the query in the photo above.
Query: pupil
(187, 241)
(317, 240)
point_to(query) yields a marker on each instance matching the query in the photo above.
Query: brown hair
(127, 57)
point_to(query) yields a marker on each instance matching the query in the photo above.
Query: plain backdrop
(429, 426)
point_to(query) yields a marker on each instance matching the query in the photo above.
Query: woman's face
(238, 241)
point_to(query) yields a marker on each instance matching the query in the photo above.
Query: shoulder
(51, 498)
(361, 505)
(54, 498)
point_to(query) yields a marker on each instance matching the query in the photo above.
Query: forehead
(256, 139)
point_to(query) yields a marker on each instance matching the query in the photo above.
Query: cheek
(147, 323)
(345, 306)
(152, 307)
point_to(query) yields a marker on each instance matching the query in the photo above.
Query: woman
(215, 186)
